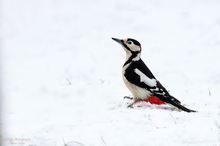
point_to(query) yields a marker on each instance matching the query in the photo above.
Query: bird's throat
(134, 56)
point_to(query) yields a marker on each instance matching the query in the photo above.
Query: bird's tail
(178, 105)
(173, 101)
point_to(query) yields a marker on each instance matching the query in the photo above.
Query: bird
(140, 80)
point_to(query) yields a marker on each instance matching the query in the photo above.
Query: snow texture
(61, 72)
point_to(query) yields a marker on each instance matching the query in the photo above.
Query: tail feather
(173, 101)
(181, 107)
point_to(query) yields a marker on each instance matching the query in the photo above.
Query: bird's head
(129, 45)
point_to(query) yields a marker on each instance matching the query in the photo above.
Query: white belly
(137, 92)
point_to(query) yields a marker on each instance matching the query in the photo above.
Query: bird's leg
(134, 102)
(128, 97)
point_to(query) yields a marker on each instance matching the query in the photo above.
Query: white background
(61, 72)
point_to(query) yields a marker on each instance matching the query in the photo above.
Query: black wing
(143, 68)
(157, 90)
(133, 77)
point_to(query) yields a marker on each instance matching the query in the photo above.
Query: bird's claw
(128, 97)
(130, 106)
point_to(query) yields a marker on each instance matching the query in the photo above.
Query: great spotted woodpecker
(140, 80)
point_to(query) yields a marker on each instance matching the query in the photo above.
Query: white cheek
(134, 48)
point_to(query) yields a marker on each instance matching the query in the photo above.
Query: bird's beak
(118, 40)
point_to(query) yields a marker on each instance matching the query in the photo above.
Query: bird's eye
(129, 42)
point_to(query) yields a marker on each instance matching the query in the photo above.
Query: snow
(61, 72)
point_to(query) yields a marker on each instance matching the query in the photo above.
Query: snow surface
(61, 72)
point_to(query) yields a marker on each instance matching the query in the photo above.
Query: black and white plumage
(140, 80)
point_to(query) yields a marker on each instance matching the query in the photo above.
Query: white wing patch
(145, 79)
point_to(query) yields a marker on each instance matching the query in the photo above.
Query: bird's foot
(130, 106)
(128, 97)
(134, 102)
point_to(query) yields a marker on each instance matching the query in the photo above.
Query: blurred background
(61, 72)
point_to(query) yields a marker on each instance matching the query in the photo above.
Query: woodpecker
(140, 80)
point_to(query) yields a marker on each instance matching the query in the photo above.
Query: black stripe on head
(127, 48)
(134, 41)
(134, 54)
